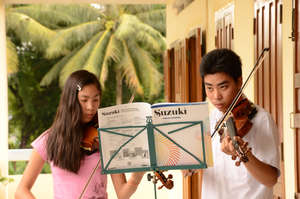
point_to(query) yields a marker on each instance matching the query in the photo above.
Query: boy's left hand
(227, 146)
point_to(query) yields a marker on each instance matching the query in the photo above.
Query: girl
(60, 145)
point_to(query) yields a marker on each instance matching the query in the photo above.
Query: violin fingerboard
(231, 130)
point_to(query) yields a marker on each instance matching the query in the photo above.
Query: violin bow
(258, 63)
(98, 162)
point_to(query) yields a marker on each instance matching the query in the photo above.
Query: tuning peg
(149, 176)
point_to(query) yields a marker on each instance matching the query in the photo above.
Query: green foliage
(117, 40)
(101, 40)
(17, 168)
(5, 180)
(31, 107)
(12, 56)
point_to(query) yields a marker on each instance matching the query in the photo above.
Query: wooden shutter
(296, 38)
(169, 75)
(181, 72)
(192, 185)
(196, 93)
(268, 79)
(224, 28)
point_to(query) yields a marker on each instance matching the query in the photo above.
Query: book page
(123, 142)
(182, 134)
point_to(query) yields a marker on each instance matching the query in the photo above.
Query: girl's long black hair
(67, 130)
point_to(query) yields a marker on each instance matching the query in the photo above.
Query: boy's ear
(240, 82)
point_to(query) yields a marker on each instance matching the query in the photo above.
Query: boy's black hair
(221, 60)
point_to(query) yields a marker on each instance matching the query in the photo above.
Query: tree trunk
(118, 87)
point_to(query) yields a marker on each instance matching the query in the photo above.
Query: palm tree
(114, 40)
(33, 24)
(98, 39)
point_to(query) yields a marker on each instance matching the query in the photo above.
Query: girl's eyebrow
(86, 96)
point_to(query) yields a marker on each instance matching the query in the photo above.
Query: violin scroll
(166, 181)
(242, 152)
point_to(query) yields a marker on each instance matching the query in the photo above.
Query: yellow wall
(194, 15)
(244, 39)
(201, 13)
(179, 25)
(288, 96)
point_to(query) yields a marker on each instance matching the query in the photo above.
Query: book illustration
(168, 153)
(122, 153)
(186, 125)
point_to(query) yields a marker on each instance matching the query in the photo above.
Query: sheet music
(136, 152)
(187, 135)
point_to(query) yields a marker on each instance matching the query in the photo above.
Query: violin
(241, 116)
(166, 181)
(90, 142)
(239, 124)
(237, 118)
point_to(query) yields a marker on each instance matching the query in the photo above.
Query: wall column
(3, 103)
(288, 96)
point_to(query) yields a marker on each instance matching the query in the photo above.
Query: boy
(258, 172)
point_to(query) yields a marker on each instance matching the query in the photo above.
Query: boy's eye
(209, 88)
(224, 87)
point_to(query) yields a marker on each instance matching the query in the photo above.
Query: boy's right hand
(188, 172)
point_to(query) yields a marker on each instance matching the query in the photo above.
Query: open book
(144, 137)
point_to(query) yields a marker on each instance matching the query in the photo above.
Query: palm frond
(29, 30)
(77, 61)
(96, 59)
(112, 11)
(154, 44)
(48, 17)
(141, 8)
(131, 27)
(146, 69)
(130, 71)
(114, 50)
(12, 57)
(55, 70)
(112, 54)
(70, 38)
(156, 18)
(82, 12)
